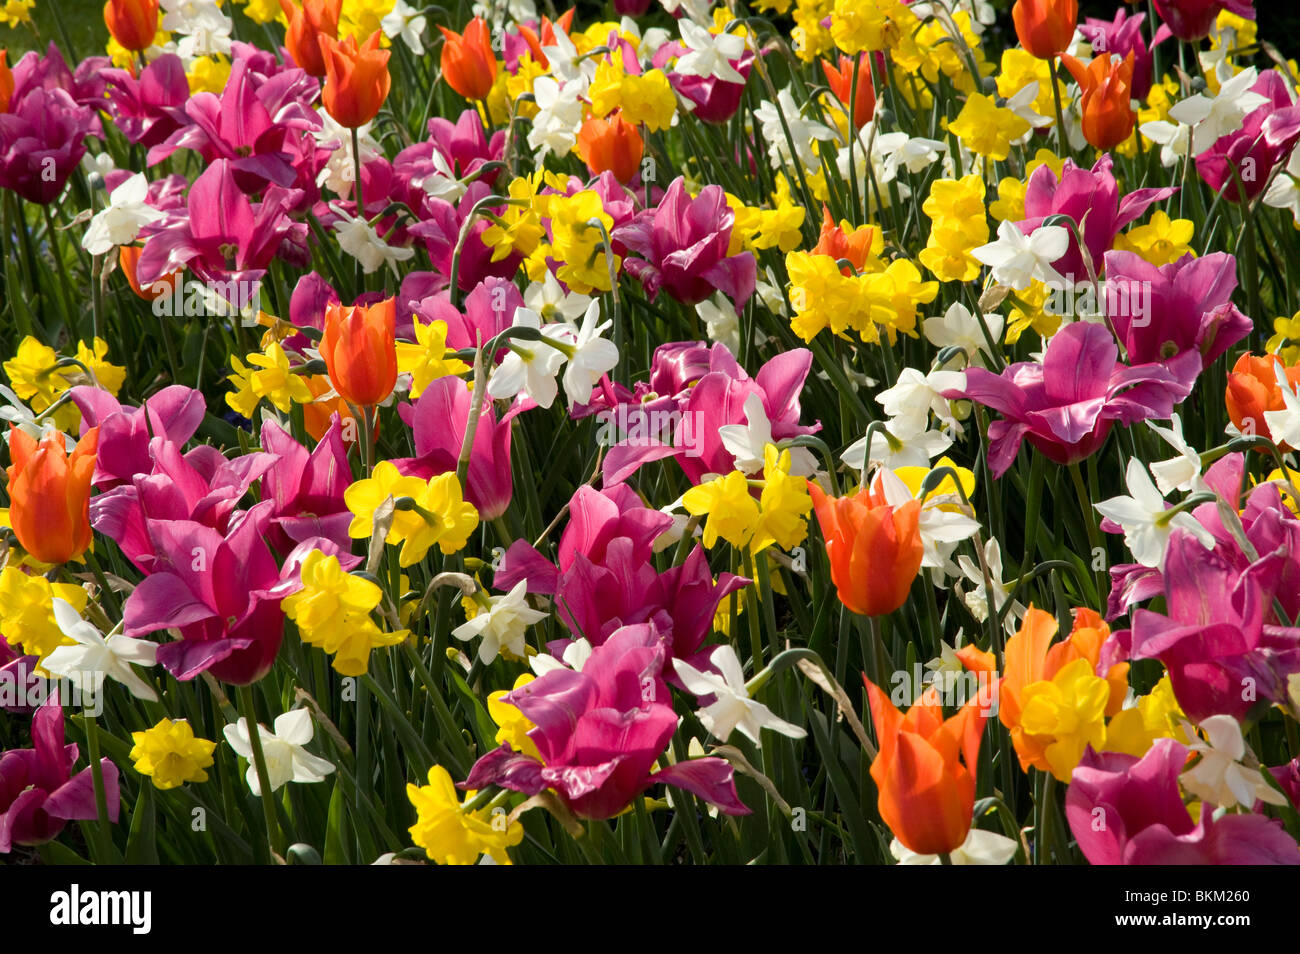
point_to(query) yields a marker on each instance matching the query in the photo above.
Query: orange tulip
(356, 79)
(49, 494)
(307, 24)
(1107, 88)
(854, 247)
(874, 550)
(925, 771)
(1031, 657)
(840, 80)
(316, 416)
(611, 145)
(133, 23)
(128, 257)
(468, 64)
(6, 82)
(1045, 27)
(360, 350)
(1253, 389)
(547, 38)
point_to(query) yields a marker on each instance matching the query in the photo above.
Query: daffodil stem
(1062, 143)
(274, 838)
(1089, 521)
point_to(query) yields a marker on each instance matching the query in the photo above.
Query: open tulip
(133, 23)
(1107, 87)
(356, 79)
(49, 494)
(468, 64)
(307, 24)
(925, 771)
(611, 145)
(1045, 27)
(875, 551)
(360, 351)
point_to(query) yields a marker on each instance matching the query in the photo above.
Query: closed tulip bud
(1045, 27)
(307, 24)
(49, 494)
(360, 351)
(1107, 88)
(1192, 20)
(875, 550)
(356, 79)
(468, 64)
(925, 770)
(611, 145)
(133, 23)
(840, 80)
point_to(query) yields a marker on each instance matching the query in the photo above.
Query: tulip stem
(1062, 143)
(361, 201)
(101, 794)
(274, 839)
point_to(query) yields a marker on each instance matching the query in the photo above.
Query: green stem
(275, 839)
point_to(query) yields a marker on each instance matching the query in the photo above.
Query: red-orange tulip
(6, 82)
(133, 23)
(547, 38)
(840, 80)
(611, 145)
(356, 79)
(360, 350)
(1253, 389)
(925, 771)
(307, 24)
(853, 246)
(1107, 89)
(875, 550)
(128, 257)
(468, 64)
(1045, 27)
(49, 494)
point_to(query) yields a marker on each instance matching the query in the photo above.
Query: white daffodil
(406, 23)
(915, 154)
(980, 848)
(502, 624)
(287, 759)
(203, 29)
(1174, 139)
(520, 11)
(530, 367)
(359, 239)
(552, 303)
(1284, 425)
(914, 395)
(1284, 191)
(944, 520)
(709, 54)
(732, 708)
(100, 163)
(1213, 116)
(574, 657)
(121, 222)
(721, 323)
(1219, 777)
(340, 168)
(592, 357)
(559, 117)
(1022, 104)
(747, 442)
(1017, 259)
(1145, 518)
(95, 658)
(902, 446)
(802, 133)
(442, 182)
(1178, 473)
(958, 327)
(977, 600)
